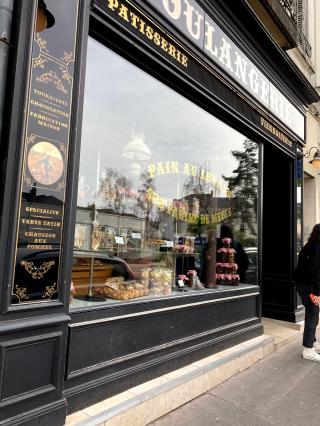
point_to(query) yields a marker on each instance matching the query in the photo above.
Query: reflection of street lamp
(95, 224)
(94, 246)
(315, 162)
(45, 19)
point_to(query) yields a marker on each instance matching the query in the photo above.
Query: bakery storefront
(156, 195)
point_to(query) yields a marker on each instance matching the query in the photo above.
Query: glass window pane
(167, 199)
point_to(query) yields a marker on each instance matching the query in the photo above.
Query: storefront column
(36, 194)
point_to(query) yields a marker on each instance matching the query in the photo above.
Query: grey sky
(119, 97)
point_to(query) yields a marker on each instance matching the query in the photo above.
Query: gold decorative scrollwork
(67, 57)
(60, 186)
(31, 139)
(62, 147)
(65, 75)
(52, 77)
(28, 181)
(37, 273)
(39, 62)
(50, 289)
(42, 43)
(21, 293)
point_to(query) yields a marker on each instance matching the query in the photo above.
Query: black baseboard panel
(88, 393)
(283, 315)
(49, 415)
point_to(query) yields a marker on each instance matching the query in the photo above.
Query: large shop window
(167, 194)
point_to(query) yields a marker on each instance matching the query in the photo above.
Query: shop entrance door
(278, 237)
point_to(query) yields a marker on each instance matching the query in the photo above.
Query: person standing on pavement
(307, 277)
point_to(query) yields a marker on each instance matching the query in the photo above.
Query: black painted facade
(50, 363)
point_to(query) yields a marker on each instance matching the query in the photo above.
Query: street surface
(281, 390)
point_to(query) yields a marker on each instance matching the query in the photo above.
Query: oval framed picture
(45, 163)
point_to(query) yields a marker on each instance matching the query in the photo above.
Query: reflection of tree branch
(244, 187)
(145, 207)
(113, 189)
(198, 189)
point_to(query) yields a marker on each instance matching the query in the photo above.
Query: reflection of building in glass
(195, 213)
(136, 151)
(83, 189)
(109, 225)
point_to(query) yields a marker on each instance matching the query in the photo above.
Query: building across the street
(150, 198)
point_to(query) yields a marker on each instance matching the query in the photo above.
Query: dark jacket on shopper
(307, 273)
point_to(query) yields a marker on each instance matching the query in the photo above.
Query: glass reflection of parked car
(251, 273)
(92, 269)
(89, 270)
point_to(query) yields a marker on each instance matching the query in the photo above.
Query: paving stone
(209, 410)
(280, 390)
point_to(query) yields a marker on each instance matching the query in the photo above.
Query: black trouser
(311, 316)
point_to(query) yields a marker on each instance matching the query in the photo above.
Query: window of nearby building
(161, 182)
(302, 26)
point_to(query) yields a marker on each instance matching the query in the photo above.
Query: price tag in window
(119, 240)
(180, 283)
(169, 243)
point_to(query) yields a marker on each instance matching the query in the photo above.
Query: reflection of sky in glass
(120, 99)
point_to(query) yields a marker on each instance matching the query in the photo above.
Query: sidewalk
(148, 402)
(280, 390)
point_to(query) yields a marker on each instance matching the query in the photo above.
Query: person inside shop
(307, 278)
(241, 258)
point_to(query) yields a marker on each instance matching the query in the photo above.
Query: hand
(315, 299)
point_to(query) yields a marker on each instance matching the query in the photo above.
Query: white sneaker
(316, 347)
(310, 354)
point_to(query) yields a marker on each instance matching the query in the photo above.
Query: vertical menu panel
(42, 197)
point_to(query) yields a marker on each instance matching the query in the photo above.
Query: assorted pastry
(154, 281)
(227, 279)
(118, 288)
(226, 254)
(158, 280)
(226, 268)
